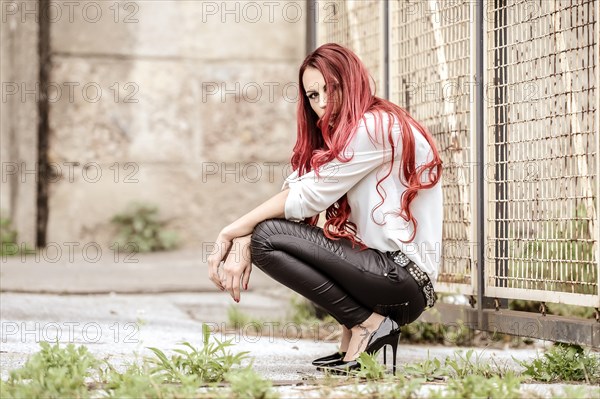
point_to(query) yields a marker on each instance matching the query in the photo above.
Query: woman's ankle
(371, 323)
(345, 341)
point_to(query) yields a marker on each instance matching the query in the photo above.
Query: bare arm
(272, 208)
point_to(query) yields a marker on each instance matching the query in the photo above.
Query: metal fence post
(311, 25)
(597, 221)
(386, 50)
(500, 146)
(479, 130)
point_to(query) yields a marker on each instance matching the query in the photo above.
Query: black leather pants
(348, 283)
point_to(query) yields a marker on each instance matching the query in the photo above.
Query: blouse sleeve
(310, 194)
(291, 177)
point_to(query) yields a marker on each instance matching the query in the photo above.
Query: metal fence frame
(488, 302)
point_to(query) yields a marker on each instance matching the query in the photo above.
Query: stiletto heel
(384, 353)
(388, 333)
(391, 340)
(394, 349)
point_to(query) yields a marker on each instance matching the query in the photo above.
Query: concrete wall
(19, 74)
(169, 103)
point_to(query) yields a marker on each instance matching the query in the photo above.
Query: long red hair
(318, 142)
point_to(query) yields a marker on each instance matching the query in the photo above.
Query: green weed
(478, 386)
(239, 320)
(236, 318)
(301, 322)
(460, 365)
(470, 363)
(137, 381)
(246, 383)
(420, 332)
(390, 387)
(72, 372)
(140, 231)
(306, 321)
(9, 245)
(370, 368)
(305, 312)
(8, 238)
(311, 321)
(53, 372)
(430, 369)
(564, 363)
(208, 364)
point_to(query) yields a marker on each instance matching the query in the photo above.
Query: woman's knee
(263, 231)
(260, 240)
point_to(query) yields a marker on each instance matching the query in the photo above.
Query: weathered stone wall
(19, 74)
(178, 104)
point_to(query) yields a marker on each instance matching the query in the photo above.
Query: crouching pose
(376, 172)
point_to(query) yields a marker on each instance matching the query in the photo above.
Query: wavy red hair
(318, 142)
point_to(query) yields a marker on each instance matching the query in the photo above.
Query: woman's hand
(236, 255)
(237, 267)
(221, 248)
(242, 229)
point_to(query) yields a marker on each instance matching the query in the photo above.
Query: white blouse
(309, 195)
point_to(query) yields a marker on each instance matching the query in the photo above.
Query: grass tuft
(564, 363)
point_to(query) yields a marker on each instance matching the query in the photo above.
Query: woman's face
(316, 91)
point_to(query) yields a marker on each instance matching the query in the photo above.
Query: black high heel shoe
(388, 333)
(334, 357)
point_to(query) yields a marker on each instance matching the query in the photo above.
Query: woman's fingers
(213, 271)
(235, 285)
(232, 279)
(233, 271)
(213, 275)
(237, 267)
(219, 253)
(228, 282)
(246, 278)
(214, 260)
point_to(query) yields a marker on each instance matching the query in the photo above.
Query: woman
(376, 173)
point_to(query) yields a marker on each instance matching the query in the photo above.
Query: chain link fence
(541, 135)
(540, 131)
